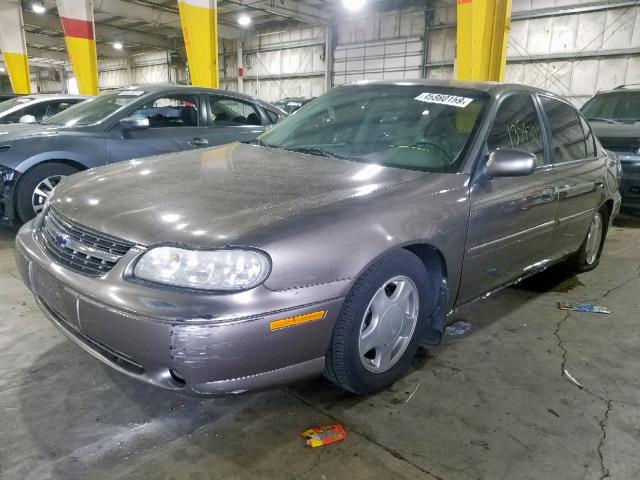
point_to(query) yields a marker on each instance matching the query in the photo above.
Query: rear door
(234, 120)
(511, 218)
(176, 123)
(580, 172)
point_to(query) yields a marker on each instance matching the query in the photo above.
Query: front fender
(338, 242)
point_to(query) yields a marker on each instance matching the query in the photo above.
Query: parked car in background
(336, 243)
(615, 118)
(121, 125)
(36, 108)
(7, 96)
(293, 104)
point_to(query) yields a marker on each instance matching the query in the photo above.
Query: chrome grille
(80, 248)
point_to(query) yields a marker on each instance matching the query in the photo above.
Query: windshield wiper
(314, 151)
(601, 119)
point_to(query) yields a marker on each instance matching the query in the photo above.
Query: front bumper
(193, 342)
(8, 179)
(630, 186)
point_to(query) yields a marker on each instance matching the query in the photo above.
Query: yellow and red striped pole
(77, 22)
(199, 19)
(14, 46)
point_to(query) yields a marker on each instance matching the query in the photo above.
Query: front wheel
(380, 324)
(588, 257)
(36, 185)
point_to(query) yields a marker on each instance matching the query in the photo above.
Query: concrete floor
(491, 405)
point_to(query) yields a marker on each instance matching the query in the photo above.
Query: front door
(511, 218)
(580, 173)
(176, 123)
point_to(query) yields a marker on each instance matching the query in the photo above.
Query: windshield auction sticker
(443, 99)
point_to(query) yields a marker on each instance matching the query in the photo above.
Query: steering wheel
(438, 147)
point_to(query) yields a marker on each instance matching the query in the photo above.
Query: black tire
(343, 364)
(31, 179)
(578, 262)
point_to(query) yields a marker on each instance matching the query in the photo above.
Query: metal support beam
(199, 20)
(37, 40)
(328, 59)
(104, 33)
(289, 9)
(483, 34)
(77, 22)
(240, 66)
(14, 46)
(155, 16)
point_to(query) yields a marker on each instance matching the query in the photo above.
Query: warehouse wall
(278, 64)
(564, 50)
(385, 46)
(142, 68)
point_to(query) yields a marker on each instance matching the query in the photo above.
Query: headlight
(228, 269)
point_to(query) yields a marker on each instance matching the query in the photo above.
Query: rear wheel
(588, 256)
(380, 324)
(34, 187)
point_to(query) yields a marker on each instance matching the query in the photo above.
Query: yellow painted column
(199, 19)
(77, 22)
(14, 46)
(483, 35)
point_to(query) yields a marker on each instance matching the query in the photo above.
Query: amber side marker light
(299, 320)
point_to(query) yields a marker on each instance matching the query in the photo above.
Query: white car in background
(35, 108)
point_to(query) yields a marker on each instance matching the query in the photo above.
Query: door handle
(198, 142)
(599, 183)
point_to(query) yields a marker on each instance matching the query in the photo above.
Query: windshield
(9, 104)
(94, 110)
(417, 127)
(622, 106)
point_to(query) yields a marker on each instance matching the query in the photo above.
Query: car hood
(18, 131)
(622, 130)
(212, 197)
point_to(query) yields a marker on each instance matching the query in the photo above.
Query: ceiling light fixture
(38, 8)
(117, 45)
(244, 20)
(353, 5)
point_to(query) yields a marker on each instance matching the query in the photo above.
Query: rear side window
(226, 112)
(273, 116)
(566, 131)
(517, 126)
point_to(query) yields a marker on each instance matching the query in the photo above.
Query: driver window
(171, 111)
(517, 125)
(227, 112)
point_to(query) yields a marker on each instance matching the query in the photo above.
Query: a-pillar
(483, 34)
(77, 22)
(14, 46)
(199, 19)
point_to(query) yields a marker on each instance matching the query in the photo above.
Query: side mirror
(134, 123)
(27, 119)
(508, 162)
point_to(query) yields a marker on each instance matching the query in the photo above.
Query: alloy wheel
(43, 190)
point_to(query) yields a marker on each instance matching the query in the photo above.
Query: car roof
(161, 87)
(634, 87)
(51, 96)
(489, 87)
